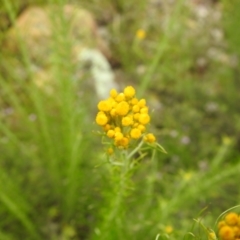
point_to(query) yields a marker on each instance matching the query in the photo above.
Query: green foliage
(54, 179)
(231, 14)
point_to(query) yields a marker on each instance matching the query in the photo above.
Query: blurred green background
(181, 56)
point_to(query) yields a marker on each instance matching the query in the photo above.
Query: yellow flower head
(113, 93)
(110, 151)
(120, 97)
(122, 108)
(229, 228)
(135, 133)
(168, 229)
(150, 138)
(212, 235)
(221, 224)
(124, 118)
(144, 118)
(231, 218)
(140, 34)
(104, 105)
(110, 133)
(101, 119)
(126, 121)
(129, 92)
(226, 233)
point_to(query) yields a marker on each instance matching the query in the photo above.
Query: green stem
(114, 219)
(135, 150)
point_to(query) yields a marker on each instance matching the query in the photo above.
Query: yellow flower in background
(187, 176)
(168, 229)
(226, 140)
(229, 227)
(140, 34)
(109, 151)
(212, 235)
(124, 118)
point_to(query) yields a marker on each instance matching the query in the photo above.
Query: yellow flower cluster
(124, 117)
(229, 228)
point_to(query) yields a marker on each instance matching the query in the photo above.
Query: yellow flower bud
(101, 119)
(135, 133)
(113, 112)
(135, 108)
(129, 92)
(106, 127)
(113, 93)
(122, 108)
(141, 127)
(124, 142)
(136, 116)
(104, 105)
(141, 34)
(144, 110)
(117, 129)
(142, 103)
(110, 133)
(221, 224)
(212, 236)
(110, 151)
(120, 97)
(150, 138)
(118, 136)
(236, 230)
(231, 218)
(134, 101)
(126, 121)
(226, 233)
(144, 118)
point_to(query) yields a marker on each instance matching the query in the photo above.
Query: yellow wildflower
(134, 101)
(129, 92)
(142, 103)
(136, 116)
(229, 228)
(226, 233)
(113, 93)
(221, 224)
(144, 110)
(101, 119)
(117, 129)
(212, 235)
(150, 138)
(104, 105)
(107, 127)
(135, 108)
(120, 97)
(124, 142)
(168, 229)
(141, 127)
(126, 121)
(135, 133)
(231, 218)
(110, 133)
(110, 151)
(140, 34)
(122, 108)
(118, 136)
(144, 118)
